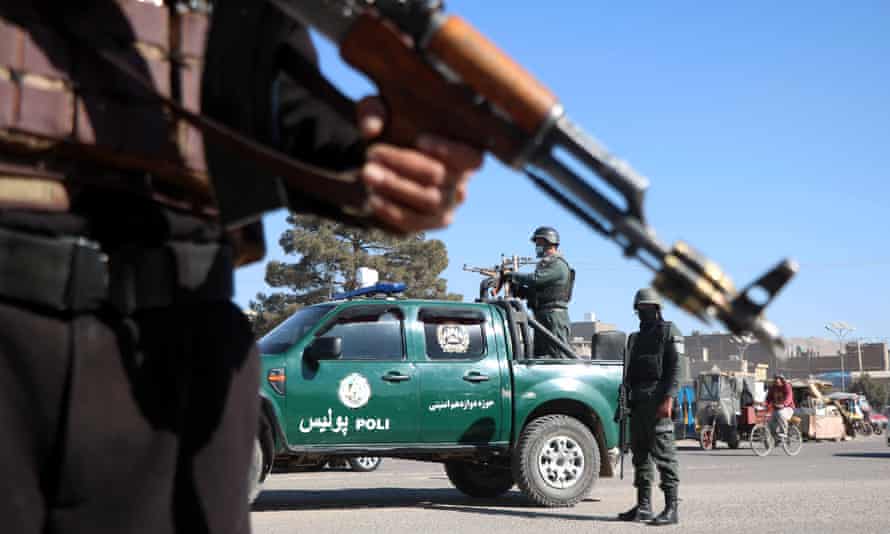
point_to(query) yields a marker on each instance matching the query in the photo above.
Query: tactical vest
(646, 354)
(556, 294)
(64, 109)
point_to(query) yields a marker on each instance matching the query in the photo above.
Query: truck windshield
(285, 335)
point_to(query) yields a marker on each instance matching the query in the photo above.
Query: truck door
(460, 379)
(368, 395)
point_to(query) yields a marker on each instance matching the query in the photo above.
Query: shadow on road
(863, 454)
(445, 499)
(487, 510)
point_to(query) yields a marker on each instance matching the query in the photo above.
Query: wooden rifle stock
(421, 100)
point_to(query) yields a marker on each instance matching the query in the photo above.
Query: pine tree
(329, 255)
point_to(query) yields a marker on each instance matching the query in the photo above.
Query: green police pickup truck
(439, 381)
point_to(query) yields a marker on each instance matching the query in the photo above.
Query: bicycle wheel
(793, 441)
(707, 437)
(761, 441)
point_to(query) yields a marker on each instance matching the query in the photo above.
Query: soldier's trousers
(557, 322)
(652, 442)
(123, 425)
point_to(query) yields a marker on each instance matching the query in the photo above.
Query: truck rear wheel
(479, 480)
(261, 461)
(556, 461)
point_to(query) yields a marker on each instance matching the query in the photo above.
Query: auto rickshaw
(720, 398)
(818, 418)
(850, 405)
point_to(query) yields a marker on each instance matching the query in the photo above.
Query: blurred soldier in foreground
(128, 379)
(651, 375)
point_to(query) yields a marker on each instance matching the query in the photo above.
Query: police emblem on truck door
(355, 391)
(453, 338)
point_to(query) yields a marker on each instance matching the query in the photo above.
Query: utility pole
(841, 330)
(859, 352)
(743, 342)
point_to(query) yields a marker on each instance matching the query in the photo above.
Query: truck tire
(556, 461)
(365, 464)
(255, 473)
(261, 461)
(479, 480)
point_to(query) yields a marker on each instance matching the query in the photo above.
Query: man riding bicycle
(781, 399)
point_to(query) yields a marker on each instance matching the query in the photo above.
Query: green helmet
(546, 233)
(647, 295)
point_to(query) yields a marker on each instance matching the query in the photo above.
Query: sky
(763, 128)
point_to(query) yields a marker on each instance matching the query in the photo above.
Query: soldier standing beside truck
(548, 290)
(651, 379)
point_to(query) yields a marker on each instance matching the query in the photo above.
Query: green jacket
(550, 286)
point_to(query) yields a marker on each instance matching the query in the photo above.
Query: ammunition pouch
(59, 102)
(646, 354)
(73, 274)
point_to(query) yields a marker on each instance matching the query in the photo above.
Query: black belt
(73, 274)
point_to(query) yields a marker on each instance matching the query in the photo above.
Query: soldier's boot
(643, 510)
(669, 516)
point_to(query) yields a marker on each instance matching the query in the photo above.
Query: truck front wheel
(479, 480)
(556, 461)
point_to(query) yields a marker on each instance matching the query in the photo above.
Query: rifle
(621, 415)
(495, 276)
(437, 74)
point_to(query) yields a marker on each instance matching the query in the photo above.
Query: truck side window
(453, 334)
(370, 333)
(285, 335)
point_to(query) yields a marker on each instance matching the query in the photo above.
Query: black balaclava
(648, 315)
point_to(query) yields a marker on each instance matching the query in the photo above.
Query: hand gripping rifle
(437, 74)
(496, 276)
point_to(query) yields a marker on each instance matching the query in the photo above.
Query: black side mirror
(324, 348)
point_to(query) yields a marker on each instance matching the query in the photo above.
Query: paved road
(828, 488)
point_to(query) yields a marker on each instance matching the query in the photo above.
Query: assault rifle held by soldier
(495, 276)
(436, 73)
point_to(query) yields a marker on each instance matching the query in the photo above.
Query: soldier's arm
(670, 363)
(522, 278)
(412, 189)
(309, 127)
(545, 273)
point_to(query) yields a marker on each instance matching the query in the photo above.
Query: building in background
(582, 333)
(806, 357)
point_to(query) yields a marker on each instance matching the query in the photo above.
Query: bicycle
(763, 440)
